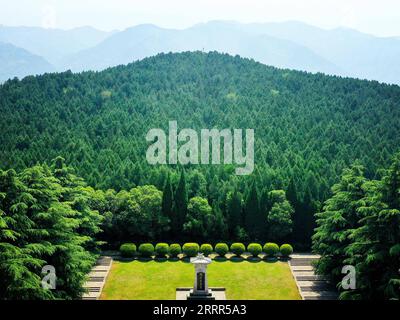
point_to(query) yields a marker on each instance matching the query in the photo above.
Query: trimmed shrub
(221, 249)
(286, 250)
(206, 249)
(238, 248)
(255, 249)
(146, 250)
(127, 250)
(190, 249)
(162, 249)
(175, 249)
(271, 249)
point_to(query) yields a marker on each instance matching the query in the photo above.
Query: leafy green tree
(280, 216)
(138, 214)
(198, 219)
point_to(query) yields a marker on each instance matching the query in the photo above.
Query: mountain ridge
(291, 44)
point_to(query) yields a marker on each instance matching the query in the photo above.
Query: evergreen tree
(180, 205)
(255, 220)
(337, 221)
(167, 201)
(234, 214)
(375, 247)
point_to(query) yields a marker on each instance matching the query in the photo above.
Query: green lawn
(136, 280)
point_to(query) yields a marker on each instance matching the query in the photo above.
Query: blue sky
(381, 17)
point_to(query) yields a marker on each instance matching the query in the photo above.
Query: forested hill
(307, 127)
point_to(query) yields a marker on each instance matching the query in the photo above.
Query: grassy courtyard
(137, 280)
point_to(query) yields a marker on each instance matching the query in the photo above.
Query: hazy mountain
(293, 45)
(146, 40)
(17, 62)
(52, 44)
(356, 54)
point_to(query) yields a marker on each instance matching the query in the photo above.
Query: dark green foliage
(161, 249)
(255, 220)
(181, 203)
(271, 249)
(175, 249)
(206, 249)
(45, 220)
(221, 249)
(146, 250)
(199, 219)
(190, 249)
(234, 214)
(255, 249)
(127, 250)
(238, 248)
(167, 201)
(280, 215)
(286, 250)
(360, 226)
(337, 220)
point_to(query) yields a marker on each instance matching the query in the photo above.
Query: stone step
(100, 268)
(301, 262)
(309, 284)
(320, 295)
(317, 288)
(303, 273)
(96, 279)
(90, 296)
(305, 256)
(310, 278)
(302, 268)
(93, 284)
(101, 273)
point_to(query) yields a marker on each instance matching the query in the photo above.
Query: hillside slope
(307, 127)
(17, 62)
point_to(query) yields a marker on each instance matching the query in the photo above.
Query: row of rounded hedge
(192, 249)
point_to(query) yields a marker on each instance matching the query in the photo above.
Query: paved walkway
(310, 285)
(97, 278)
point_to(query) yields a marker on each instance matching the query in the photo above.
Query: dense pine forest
(74, 175)
(308, 128)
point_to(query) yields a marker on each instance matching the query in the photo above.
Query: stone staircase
(310, 285)
(97, 278)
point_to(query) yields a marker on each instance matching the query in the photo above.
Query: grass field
(139, 280)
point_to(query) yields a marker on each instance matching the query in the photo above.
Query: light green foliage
(190, 249)
(162, 249)
(238, 248)
(146, 250)
(255, 249)
(286, 250)
(271, 249)
(175, 249)
(206, 249)
(127, 250)
(221, 249)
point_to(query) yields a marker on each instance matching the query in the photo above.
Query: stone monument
(200, 289)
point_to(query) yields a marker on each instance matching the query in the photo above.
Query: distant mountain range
(17, 62)
(292, 45)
